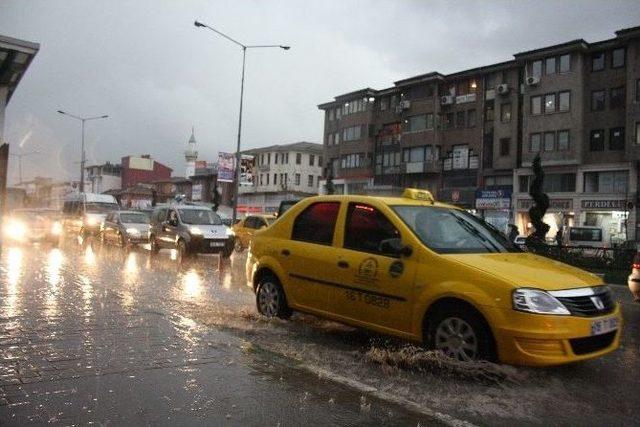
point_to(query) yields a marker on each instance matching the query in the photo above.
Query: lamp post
(82, 158)
(244, 55)
(20, 155)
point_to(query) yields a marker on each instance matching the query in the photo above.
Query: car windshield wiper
(470, 228)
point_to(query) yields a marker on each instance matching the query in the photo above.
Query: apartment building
(103, 177)
(470, 137)
(282, 172)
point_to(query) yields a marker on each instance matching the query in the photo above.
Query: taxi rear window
(316, 223)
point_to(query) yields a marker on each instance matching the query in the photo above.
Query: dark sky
(146, 65)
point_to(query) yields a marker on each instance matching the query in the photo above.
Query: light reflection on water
(14, 273)
(131, 274)
(191, 285)
(55, 261)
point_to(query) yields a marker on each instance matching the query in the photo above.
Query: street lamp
(244, 54)
(82, 158)
(20, 155)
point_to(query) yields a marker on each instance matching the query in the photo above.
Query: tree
(331, 188)
(540, 204)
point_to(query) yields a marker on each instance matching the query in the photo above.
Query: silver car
(125, 228)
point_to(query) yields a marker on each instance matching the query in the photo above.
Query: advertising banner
(225, 167)
(196, 192)
(493, 198)
(247, 164)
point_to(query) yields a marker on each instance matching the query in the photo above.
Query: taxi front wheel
(270, 298)
(461, 334)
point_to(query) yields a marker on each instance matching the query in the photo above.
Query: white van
(584, 236)
(83, 213)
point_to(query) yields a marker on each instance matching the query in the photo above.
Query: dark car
(190, 229)
(33, 225)
(125, 228)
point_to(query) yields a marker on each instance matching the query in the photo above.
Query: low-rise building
(103, 177)
(142, 169)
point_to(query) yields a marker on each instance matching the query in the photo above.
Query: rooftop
(15, 57)
(302, 146)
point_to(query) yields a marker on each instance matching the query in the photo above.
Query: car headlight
(56, 228)
(537, 301)
(230, 232)
(92, 220)
(15, 230)
(195, 231)
(133, 231)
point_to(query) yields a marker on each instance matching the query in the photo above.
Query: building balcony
(264, 168)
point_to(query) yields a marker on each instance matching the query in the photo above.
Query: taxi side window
(367, 228)
(250, 222)
(316, 223)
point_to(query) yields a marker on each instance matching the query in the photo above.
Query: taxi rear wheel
(270, 298)
(461, 334)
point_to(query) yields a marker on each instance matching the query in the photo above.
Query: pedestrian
(559, 236)
(513, 232)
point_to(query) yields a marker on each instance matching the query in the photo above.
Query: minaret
(191, 155)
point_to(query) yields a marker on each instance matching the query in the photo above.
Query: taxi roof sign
(417, 194)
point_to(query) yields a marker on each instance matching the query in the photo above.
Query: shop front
(560, 214)
(612, 215)
(494, 205)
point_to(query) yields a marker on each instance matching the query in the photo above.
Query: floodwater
(108, 336)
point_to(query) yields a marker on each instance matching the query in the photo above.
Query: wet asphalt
(108, 337)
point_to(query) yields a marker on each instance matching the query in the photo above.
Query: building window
(297, 179)
(338, 113)
(320, 161)
(275, 158)
(351, 161)
(617, 98)
(471, 118)
(563, 140)
(460, 119)
(597, 100)
(536, 68)
(597, 140)
(564, 101)
(534, 142)
(549, 141)
(330, 139)
(550, 66)
(505, 145)
(286, 157)
(638, 90)
(384, 103)
(318, 180)
(261, 179)
(416, 123)
(606, 182)
(352, 133)
(488, 113)
(312, 159)
(559, 183)
(275, 179)
(412, 155)
(616, 139)
(565, 63)
(597, 61)
(298, 158)
(637, 133)
(550, 103)
(618, 58)
(267, 175)
(268, 158)
(310, 181)
(536, 105)
(505, 113)
(524, 181)
(331, 114)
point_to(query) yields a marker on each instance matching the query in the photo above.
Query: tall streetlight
(244, 55)
(20, 155)
(82, 158)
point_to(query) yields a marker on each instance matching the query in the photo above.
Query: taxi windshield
(447, 230)
(199, 217)
(269, 220)
(134, 218)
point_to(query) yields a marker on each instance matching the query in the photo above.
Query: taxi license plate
(216, 244)
(602, 326)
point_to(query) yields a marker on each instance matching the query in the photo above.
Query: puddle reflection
(14, 274)
(191, 285)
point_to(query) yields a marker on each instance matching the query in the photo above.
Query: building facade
(103, 177)
(471, 137)
(282, 172)
(142, 169)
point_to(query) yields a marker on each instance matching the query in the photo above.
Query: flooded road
(131, 338)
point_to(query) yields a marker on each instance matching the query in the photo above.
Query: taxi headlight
(15, 230)
(195, 231)
(56, 228)
(537, 301)
(133, 231)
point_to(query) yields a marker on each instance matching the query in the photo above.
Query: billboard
(494, 198)
(247, 164)
(225, 167)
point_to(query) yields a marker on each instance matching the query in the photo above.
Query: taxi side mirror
(395, 247)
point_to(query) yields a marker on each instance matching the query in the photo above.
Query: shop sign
(493, 199)
(618, 205)
(196, 192)
(554, 204)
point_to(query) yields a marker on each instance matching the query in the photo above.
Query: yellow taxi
(430, 273)
(246, 228)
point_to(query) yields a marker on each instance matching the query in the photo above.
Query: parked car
(246, 228)
(431, 273)
(190, 229)
(83, 213)
(125, 228)
(33, 225)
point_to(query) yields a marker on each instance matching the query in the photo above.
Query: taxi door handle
(343, 264)
(285, 252)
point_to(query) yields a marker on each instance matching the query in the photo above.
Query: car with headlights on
(33, 225)
(190, 229)
(125, 228)
(430, 273)
(83, 214)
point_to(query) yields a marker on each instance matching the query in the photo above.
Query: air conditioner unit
(532, 81)
(405, 105)
(446, 100)
(502, 89)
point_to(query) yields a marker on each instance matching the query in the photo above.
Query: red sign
(249, 209)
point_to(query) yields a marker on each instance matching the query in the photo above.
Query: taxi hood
(528, 270)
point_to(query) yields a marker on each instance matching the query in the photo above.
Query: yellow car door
(307, 256)
(374, 276)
